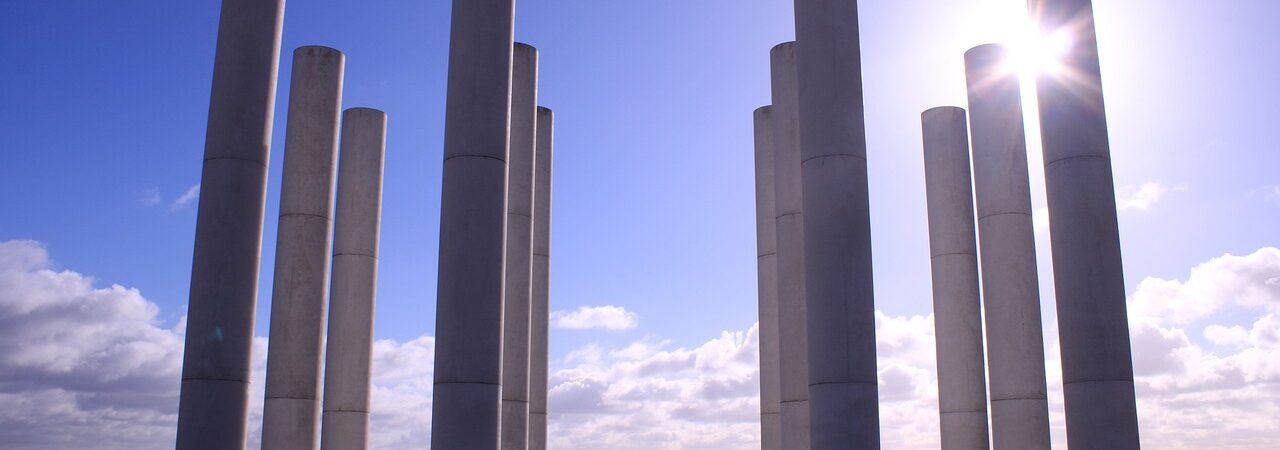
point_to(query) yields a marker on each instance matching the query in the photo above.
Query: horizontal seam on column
(1097, 380)
(767, 254)
(993, 399)
(988, 216)
(954, 254)
(834, 155)
(214, 379)
(509, 213)
(541, 254)
(355, 254)
(232, 158)
(447, 158)
(286, 397)
(871, 383)
(364, 411)
(793, 401)
(965, 411)
(779, 216)
(283, 215)
(540, 413)
(514, 400)
(465, 382)
(1050, 163)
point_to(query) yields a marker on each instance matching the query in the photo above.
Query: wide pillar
(953, 259)
(473, 212)
(516, 318)
(300, 288)
(843, 393)
(539, 306)
(348, 355)
(214, 399)
(767, 282)
(1093, 324)
(1010, 284)
(792, 339)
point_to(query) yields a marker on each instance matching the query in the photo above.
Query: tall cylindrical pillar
(953, 258)
(214, 399)
(353, 292)
(539, 305)
(300, 288)
(767, 282)
(1015, 341)
(843, 394)
(1093, 324)
(473, 218)
(516, 319)
(792, 340)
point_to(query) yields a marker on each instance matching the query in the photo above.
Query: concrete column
(300, 288)
(348, 355)
(1015, 341)
(792, 340)
(767, 281)
(516, 319)
(837, 227)
(224, 268)
(1093, 324)
(953, 257)
(539, 306)
(473, 216)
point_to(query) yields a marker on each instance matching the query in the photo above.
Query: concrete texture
(515, 316)
(473, 213)
(539, 306)
(348, 355)
(300, 288)
(792, 340)
(767, 282)
(214, 397)
(953, 258)
(1093, 325)
(843, 393)
(1010, 284)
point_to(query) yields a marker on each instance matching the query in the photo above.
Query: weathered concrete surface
(473, 213)
(214, 400)
(300, 288)
(953, 257)
(843, 393)
(539, 306)
(1093, 324)
(516, 319)
(348, 355)
(1010, 284)
(767, 282)
(792, 339)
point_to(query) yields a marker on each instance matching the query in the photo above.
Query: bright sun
(1032, 52)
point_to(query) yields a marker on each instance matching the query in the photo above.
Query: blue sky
(104, 106)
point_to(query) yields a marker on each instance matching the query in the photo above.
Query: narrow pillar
(473, 216)
(214, 399)
(953, 258)
(516, 318)
(348, 355)
(539, 306)
(1015, 341)
(767, 282)
(1093, 324)
(300, 288)
(837, 228)
(792, 340)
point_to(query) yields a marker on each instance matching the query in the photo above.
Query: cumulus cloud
(1142, 197)
(606, 317)
(192, 194)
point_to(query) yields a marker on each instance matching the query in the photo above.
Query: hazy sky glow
(653, 266)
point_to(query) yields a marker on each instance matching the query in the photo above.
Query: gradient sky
(103, 109)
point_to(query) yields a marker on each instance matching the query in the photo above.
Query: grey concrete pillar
(1015, 341)
(1093, 324)
(224, 266)
(792, 340)
(837, 227)
(352, 295)
(539, 306)
(516, 319)
(300, 288)
(953, 258)
(473, 216)
(767, 281)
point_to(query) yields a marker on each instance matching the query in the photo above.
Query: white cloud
(607, 317)
(1245, 281)
(1270, 193)
(1142, 197)
(191, 195)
